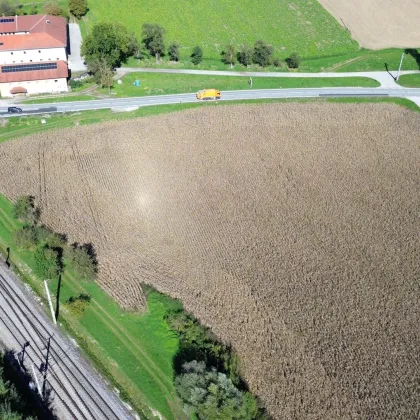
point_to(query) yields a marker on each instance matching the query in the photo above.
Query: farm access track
(75, 391)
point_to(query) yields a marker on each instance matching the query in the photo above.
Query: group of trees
(77, 8)
(211, 395)
(51, 250)
(261, 54)
(207, 374)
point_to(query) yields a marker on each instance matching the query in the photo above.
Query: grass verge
(161, 84)
(410, 80)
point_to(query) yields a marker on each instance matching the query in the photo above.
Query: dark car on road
(14, 109)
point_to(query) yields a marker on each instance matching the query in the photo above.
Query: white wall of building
(26, 56)
(35, 87)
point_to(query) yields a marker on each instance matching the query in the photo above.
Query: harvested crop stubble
(290, 229)
(379, 24)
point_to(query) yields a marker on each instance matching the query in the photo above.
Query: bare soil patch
(291, 229)
(379, 24)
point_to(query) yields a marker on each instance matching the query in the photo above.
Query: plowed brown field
(291, 229)
(379, 24)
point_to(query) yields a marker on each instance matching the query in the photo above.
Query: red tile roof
(22, 76)
(41, 34)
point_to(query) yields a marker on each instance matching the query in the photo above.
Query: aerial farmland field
(301, 26)
(290, 229)
(379, 24)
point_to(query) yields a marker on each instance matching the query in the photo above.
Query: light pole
(399, 69)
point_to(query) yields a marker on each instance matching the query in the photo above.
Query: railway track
(77, 391)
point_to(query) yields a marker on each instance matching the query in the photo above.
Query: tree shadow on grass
(415, 54)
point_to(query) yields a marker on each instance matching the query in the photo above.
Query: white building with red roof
(33, 55)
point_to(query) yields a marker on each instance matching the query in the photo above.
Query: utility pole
(45, 369)
(50, 302)
(399, 69)
(36, 381)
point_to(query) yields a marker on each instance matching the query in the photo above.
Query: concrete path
(76, 62)
(387, 80)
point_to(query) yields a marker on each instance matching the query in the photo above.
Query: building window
(39, 51)
(24, 52)
(55, 80)
(11, 53)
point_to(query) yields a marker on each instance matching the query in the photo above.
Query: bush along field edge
(205, 373)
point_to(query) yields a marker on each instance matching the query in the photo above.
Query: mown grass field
(135, 350)
(301, 26)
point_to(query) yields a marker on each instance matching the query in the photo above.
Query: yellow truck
(208, 94)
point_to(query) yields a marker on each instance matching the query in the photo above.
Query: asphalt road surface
(77, 391)
(136, 102)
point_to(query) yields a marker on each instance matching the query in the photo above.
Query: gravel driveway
(76, 62)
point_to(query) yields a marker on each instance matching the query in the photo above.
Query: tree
(83, 261)
(262, 53)
(6, 9)
(293, 61)
(229, 56)
(78, 8)
(173, 51)
(197, 55)
(47, 260)
(108, 41)
(244, 55)
(153, 39)
(102, 73)
(52, 8)
(24, 209)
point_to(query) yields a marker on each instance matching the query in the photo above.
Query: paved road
(383, 77)
(136, 102)
(77, 391)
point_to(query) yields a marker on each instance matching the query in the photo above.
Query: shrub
(293, 61)
(7, 9)
(78, 304)
(197, 55)
(52, 8)
(75, 83)
(26, 237)
(277, 62)
(78, 8)
(47, 262)
(24, 209)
